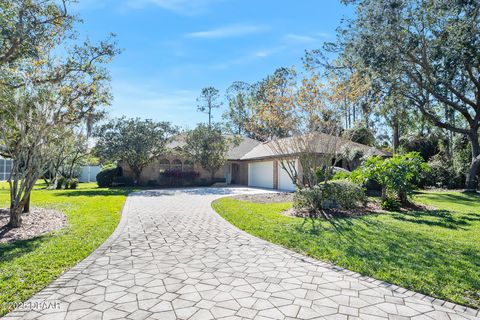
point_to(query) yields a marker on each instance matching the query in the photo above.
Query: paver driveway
(173, 257)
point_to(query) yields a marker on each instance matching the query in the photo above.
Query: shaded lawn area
(433, 252)
(28, 266)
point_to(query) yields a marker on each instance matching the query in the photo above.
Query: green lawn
(436, 253)
(28, 266)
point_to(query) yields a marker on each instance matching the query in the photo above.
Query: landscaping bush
(61, 183)
(309, 199)
(332, 173)
(123, 182)
(179, 174)
(66, 183)
(398, 175)
(445, 172)
(341, 175)
(105, 177)
(71, 183)
(152, 183)
(390, 204)
(179, 178)
(341, 194)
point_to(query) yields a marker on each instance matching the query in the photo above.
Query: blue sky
(174, 48)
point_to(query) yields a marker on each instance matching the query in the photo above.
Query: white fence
(89, 173)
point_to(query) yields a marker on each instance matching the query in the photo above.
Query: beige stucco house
(250, 163)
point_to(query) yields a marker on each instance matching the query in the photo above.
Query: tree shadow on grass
(439, 218)
(95, 192)
(400, 255)
(458, 198)
(16, 249)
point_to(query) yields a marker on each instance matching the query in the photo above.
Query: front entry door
(228, 173)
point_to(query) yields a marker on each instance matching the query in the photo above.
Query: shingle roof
(321, 143)
(250, 149)
(236, 152)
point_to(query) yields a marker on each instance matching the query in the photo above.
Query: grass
(433, 252)
(28, 266)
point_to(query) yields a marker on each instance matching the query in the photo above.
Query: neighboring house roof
(240, 150)
(236, 152)
(318, 142)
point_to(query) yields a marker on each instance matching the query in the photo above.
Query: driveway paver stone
(173, 257)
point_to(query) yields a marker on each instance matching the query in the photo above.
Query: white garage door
(285, 183)
(260, 174)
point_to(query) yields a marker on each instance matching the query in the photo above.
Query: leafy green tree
(272, 105)
(67, 154)
(208, 101)
(42, 90)
(27, 25)
(207, 146)
(237, 114)
(361, 134)
(136, 142)
(430, 52)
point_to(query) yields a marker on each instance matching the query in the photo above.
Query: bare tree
(50, 94)
(315, 132)
(208, 101)
(29, 148)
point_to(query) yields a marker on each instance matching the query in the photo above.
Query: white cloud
(324, 35)
(298, 38)
(227, 32)
(269, 52)
(185, 7)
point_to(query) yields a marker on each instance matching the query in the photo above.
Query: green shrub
(342, 194)
(105, 177)
(123, 182)
(341, 175)
(61, 183)
(309, 199)
(390, 204)
(398, 175)
(444, 173)
(71, 183)
(152, 183)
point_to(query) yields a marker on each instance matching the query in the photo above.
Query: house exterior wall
(239, 168)
(152, 172)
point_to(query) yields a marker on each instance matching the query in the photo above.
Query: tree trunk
(403, 197)
(384, 193)
(16, 216)
(396, 135)
(471, 179)
(212, 176)
(138, 174)
(26, 208)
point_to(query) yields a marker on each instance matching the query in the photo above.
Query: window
(188, 166)
(5, 168)
(177, 165)
(164, 165)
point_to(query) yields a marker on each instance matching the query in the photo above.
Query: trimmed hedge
(105, 177)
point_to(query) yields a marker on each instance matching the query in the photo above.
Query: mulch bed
(266, 197)
(369, 208)
(37, 222)
(372, 207)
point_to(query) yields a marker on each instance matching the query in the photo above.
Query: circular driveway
(173, 257)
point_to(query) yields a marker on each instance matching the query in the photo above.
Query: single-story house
(252, 163)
